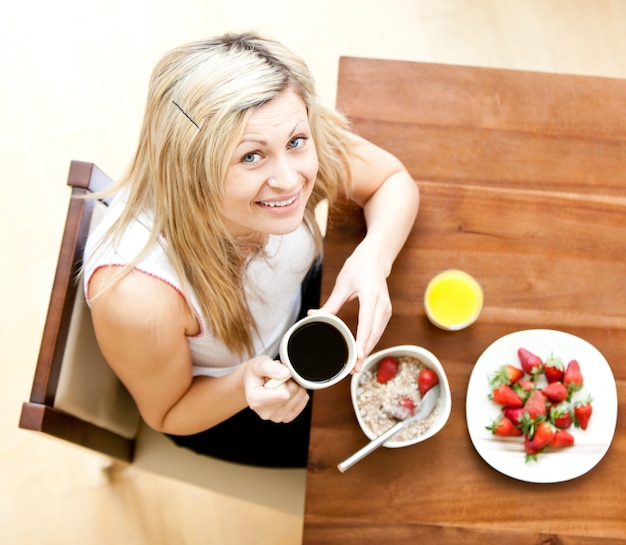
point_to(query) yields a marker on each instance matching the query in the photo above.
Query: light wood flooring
(73, 79)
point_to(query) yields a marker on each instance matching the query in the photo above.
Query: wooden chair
(76, 397)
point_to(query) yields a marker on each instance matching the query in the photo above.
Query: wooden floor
(73, 85)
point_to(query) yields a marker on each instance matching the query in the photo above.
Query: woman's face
(272, 171)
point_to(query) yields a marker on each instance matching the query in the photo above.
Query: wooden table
(523, 183)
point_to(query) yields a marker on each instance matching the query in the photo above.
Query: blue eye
(296, 142)
(250, 158)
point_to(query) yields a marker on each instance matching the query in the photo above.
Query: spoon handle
(371, 446)
(428, 402)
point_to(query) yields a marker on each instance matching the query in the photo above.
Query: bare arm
(141, 324)
(390, 200)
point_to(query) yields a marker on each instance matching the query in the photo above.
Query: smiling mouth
(278, 204)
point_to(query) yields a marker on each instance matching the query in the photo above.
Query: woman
(201, 263)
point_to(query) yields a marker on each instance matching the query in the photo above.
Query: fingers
(335, 301)
(374, 315)
(294, 406)
(271, 369)
(280, 404)
(286, 405)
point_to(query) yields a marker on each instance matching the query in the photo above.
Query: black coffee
(317, 351)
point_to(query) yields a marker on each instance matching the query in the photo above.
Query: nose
(284, 175)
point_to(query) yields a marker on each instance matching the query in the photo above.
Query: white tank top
(271, 282)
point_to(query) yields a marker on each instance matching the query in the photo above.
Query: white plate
(507, 454)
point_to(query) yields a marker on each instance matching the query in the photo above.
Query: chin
(284, 229)
(285, 225)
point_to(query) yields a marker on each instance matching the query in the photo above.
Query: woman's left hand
(363, 278)
(390, 201)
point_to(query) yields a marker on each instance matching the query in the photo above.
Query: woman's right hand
(280, 404)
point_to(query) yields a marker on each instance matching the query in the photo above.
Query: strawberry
(561, 439)
(535, 405)
(582, 413)
(549, 406)
(573, 378)
(561, 416)
(544, 433)
(387, 369)
(504, 395)
(529, 449)
(507, 374)
(531, 363)
(408, 404)
(553, 369)
(514, 414)
(524, 388)
(538, 412)
(401, 408)
(504, 427)
(426, 380)
(555, 392)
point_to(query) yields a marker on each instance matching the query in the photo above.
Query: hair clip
(185, 114)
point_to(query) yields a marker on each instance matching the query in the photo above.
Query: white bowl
(444, 404)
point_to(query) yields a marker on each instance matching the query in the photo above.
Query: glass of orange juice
(453, 300)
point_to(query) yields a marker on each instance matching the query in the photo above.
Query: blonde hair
(200, 98)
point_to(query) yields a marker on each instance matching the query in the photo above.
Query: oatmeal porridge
(375, 400)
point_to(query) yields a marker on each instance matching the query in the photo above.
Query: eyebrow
(252, 141)
(261, 142)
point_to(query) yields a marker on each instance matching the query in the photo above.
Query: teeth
(273, 204)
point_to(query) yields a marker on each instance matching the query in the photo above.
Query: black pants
(248, 439)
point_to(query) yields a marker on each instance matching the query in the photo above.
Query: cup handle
(276, 382)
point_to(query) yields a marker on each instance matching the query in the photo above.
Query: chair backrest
(75, 394)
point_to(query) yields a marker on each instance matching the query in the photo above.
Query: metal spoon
(427, 405)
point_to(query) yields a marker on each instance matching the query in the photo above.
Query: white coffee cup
(318, 350)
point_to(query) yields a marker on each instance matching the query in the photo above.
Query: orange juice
(453, 300)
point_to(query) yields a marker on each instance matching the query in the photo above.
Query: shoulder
(138, 302)
(141, 324)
